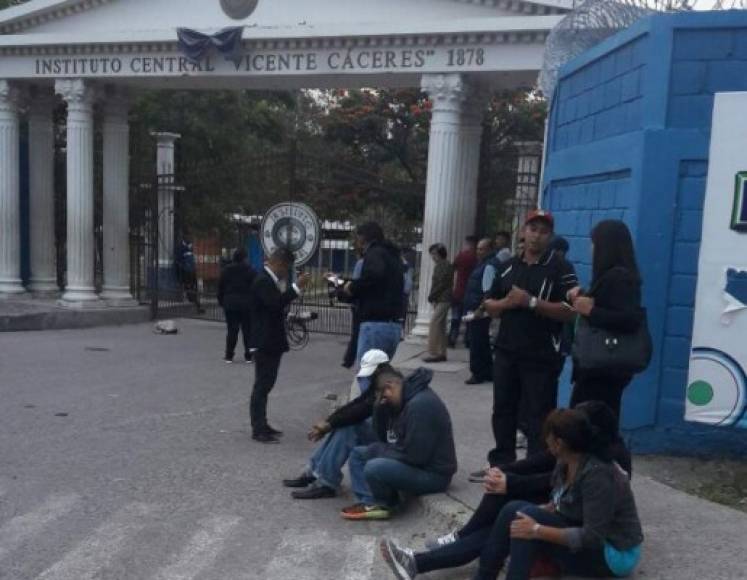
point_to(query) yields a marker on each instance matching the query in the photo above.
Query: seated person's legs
(387, 477)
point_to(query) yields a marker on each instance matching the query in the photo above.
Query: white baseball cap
(370, 361)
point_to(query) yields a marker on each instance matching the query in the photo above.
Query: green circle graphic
(700, 393)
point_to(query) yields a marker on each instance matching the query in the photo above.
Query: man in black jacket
(414, 452)
(348, 427)
(271, 295)
(234, 294)
(378, 292)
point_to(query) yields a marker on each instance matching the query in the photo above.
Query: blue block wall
(628, 138)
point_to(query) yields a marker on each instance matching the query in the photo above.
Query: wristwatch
(533, 302)
(536, 530)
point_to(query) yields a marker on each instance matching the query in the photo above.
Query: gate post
(453, 167)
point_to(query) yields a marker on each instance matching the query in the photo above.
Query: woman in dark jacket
(613, 303)
(530, 480)
(234, 291)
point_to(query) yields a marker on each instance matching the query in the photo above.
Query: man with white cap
(346, 428)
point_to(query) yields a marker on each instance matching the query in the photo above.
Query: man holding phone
(270, 296)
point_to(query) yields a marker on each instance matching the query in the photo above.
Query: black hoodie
(379, 290)
(419, 434)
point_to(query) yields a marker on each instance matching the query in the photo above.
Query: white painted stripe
(359, 558)
(98, 551)
(202, 550)
(303, 556)
(20, 528)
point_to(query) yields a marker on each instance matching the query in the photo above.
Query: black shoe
(314, 492)
(473, 380)
(303, 481)
(248, 359)
(265, 438)
(272, 431)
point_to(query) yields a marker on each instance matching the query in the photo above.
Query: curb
(446, 511)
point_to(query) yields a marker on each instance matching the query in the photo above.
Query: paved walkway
(687, 538)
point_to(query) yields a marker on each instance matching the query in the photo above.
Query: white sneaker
(440, 542)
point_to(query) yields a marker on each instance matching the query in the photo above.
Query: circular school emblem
(294, 226)
(238, 9)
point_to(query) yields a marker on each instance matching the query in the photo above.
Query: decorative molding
(524, 37)
(448, 92)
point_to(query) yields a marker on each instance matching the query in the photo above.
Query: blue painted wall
(628, 138)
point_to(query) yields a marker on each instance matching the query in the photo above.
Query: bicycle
(296, 328)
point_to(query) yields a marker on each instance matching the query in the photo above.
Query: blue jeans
(382, 335)
(328, 459)
(378, 481)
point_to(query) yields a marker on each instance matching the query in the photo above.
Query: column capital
(447, 91)
(10, 97)
(77, 93)
(165, 138)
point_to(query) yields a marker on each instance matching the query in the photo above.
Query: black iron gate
(215, 223)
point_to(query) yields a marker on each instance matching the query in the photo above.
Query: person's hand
(522, 528)
(319, 430)
(518, 298)
(548, 507)
(583, 305)
(347, 287)
(303, 280)
(495, 482)
(573, 293)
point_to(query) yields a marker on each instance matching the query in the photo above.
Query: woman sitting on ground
(589, 528)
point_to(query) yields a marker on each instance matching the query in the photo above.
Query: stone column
(41, 199)
(79, 291)
(166, 188)
(10, 193)
(116, 221)
(453, 165)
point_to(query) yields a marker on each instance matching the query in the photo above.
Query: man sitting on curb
(348, 427)
(414, 453)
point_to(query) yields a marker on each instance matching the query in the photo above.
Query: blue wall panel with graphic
(628, 138)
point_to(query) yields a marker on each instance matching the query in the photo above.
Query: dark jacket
(442, 282)
(421, 430)
(269, 307)
(599, 506)
(617, 301)
(617, 307)
(235, 286)
(356, 411)
(379, 289)
(474, 295)
(532, 477)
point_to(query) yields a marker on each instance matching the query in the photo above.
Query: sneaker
(228, 360)
(478, 476)
(248, 360)
(441, 541)
(361, 511)
(400, 560)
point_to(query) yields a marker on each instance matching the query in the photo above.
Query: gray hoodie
(420, 433)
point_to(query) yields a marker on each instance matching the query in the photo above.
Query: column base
(11, 288)
(118, 298)
(46, 288)
(80, 298)
(420, 329)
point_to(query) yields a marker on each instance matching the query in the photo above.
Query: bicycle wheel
(298, 335)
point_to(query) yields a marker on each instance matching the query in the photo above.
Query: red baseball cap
(540, 214)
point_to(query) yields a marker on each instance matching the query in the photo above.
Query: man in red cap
(529, 295)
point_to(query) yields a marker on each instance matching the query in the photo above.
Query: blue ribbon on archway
(195, 45)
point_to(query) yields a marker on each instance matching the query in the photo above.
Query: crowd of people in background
(567, 505)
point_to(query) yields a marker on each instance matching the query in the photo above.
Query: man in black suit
(271, 294)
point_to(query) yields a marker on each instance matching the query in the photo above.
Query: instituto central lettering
(362, 59)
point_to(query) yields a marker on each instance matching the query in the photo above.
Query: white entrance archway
(89, 51)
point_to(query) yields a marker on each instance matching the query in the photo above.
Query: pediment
(72, 16)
